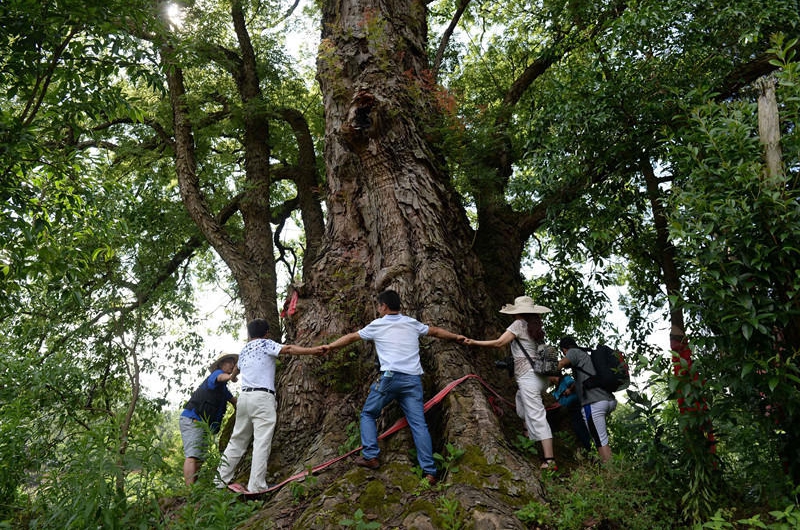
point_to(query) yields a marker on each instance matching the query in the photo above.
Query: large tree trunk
(394, 222)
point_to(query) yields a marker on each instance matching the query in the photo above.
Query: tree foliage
(87, 242)
(738, 225)
(605, 143)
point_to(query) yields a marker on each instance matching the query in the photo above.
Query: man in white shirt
(256, 412)
(396, 339)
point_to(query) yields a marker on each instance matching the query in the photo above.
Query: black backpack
(611, 369)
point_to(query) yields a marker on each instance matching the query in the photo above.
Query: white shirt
(257, 363)
(521, 363)
(396, 339)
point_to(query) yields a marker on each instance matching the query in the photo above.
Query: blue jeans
(407, 390)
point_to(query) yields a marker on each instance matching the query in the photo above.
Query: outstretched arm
(293, 349)
(499, 342)
(341, 341)
(441, 333)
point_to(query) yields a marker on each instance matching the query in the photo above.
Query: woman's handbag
(546, 360)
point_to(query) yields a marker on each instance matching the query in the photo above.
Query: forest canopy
(445, 149)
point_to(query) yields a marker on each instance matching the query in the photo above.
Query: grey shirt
(582, 368)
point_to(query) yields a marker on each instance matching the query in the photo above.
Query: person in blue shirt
(396, 338)
(567, 397)
(206, 406)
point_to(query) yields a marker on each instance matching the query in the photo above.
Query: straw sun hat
(524, 305)
(223, 357)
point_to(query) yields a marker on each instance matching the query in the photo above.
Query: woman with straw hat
(526, 334)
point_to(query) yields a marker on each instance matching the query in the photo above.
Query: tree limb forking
(747, 72)
(437, 62)
(185, 164)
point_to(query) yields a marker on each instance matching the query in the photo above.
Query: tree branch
(437, 62)
(746, 73)
(307, 182)
(186, 165)
(32, 108)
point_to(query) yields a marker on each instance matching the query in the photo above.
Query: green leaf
(773, 383)
(746, 369)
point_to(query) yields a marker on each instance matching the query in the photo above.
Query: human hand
(461, 339)
(468, 341)
(324, 349)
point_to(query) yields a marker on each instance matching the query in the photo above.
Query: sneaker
(371, 463)
(431, 480)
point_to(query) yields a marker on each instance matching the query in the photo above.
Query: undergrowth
(614, 494)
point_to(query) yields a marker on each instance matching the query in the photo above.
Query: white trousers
(255, 417)
(530, 406)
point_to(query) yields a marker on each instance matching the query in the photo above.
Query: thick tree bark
(395, 222)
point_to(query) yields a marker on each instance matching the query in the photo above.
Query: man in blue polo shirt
(207, 404)
(396, 339)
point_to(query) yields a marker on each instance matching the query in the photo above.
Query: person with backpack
(526, 337)
(596, 403)
(207, 404)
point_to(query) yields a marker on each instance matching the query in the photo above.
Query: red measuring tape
(399, 424)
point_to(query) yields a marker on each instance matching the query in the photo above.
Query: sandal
(549, 463)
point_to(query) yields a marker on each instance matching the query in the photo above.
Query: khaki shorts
(195, 438)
